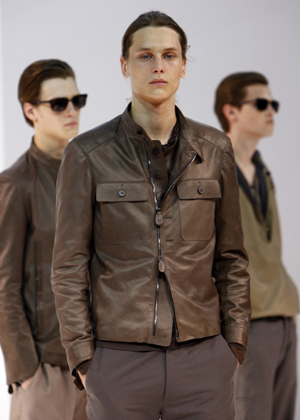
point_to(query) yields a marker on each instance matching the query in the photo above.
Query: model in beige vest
(265, 385)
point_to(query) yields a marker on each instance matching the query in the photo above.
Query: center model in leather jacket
(115, 232)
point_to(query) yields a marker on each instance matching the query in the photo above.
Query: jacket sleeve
(21, 359)
(71, 255)
(231, 261)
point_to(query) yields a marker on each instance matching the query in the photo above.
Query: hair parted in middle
(232, 90)
(156, 19)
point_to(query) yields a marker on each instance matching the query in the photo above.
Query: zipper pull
(161, 265)
(159, 218)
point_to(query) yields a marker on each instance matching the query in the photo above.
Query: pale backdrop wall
(225, 37)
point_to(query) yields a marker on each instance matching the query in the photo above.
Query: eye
(169, 56)
(145, 56)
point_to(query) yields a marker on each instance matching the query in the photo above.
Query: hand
(26, 383)
(82, 377)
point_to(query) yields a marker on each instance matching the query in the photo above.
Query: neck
(244, 147)
(51, 147)
(157, 120)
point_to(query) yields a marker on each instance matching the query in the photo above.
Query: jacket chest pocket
(197, 208)
(125, 211)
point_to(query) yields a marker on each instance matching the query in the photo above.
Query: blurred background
(224, 37)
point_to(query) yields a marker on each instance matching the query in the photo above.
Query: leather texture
(106, 246)
(28, 322)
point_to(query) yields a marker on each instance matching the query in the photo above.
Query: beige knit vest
(273, 293)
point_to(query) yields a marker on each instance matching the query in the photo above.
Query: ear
(183, 70)
(124, 67)
(29, 111)
(230, 112)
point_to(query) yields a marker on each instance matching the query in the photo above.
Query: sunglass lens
(261, 104)
(275, 105)
(59, 104)
(79, 101)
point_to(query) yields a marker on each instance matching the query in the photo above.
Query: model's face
(250, 120)
(59, 126)
(154, 65)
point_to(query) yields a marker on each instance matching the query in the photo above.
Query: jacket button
(200, 190)
(122, 193)
(155, 151)
(139, 132)
(158, 174)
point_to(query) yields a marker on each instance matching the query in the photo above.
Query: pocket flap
(122, 191)
(197, 189)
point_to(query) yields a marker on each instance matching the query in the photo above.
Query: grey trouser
(190, 383)
(51, 395)
(265, 385)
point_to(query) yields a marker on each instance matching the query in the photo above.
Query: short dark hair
(156, 19)
(29, 88)
(232, 90)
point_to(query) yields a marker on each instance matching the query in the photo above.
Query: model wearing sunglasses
(260, 103)
(60, 104)
(36, 365)
(274, 298)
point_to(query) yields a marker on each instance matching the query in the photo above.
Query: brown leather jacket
(112, 238)
(29, 329)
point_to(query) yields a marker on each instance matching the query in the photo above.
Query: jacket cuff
(79, 353)
(236, 335)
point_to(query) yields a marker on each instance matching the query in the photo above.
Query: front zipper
(159, 220)
(175, 180)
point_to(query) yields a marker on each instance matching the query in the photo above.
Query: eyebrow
(150, 49)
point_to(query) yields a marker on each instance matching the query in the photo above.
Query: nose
(70, 110)
(270, 109)
(158, 65)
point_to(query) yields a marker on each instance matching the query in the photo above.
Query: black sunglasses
(261, 104)
(60, 104)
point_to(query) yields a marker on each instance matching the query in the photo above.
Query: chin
(72, 133)
(269, 132)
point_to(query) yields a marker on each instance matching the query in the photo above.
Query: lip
(71, 124)
(271, 122)
(158, 82)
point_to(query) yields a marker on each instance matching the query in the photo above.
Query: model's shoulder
(210, 134)
(19, 172)
(97, 136)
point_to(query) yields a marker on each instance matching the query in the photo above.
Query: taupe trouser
(265, 385)
(51, 395)
(190, 383)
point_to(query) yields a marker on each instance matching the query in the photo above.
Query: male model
(35, 361)
(149, 269)
(265, 385)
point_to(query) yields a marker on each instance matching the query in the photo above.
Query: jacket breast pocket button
(122, 193)
(200, 190)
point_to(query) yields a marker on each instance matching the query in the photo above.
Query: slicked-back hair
(154, 19)
(232, 90)
(33, 76)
